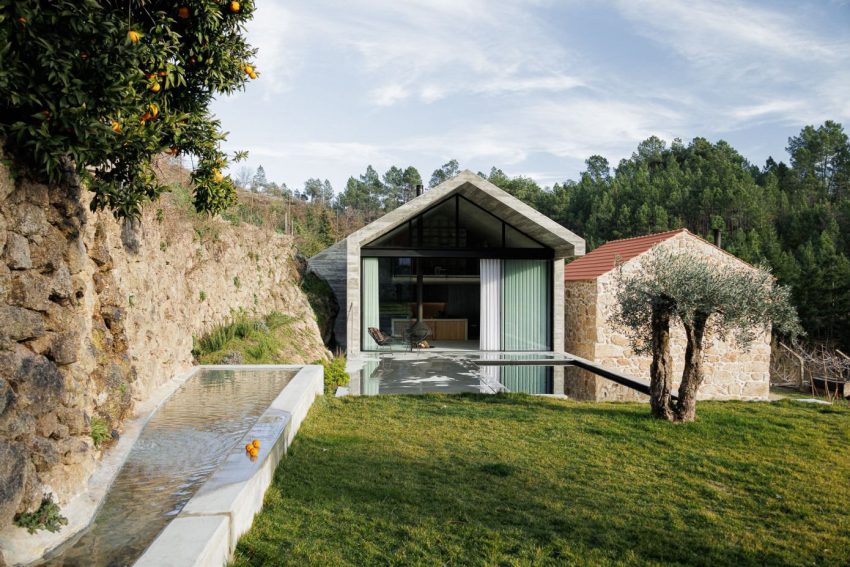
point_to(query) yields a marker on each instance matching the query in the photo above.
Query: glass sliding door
(526, 322)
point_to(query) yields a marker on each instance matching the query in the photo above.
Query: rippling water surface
(179, 448)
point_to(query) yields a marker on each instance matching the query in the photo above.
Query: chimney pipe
(717, 237)
(418, 190)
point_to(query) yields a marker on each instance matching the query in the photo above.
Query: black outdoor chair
(380, 337)
(416, 334)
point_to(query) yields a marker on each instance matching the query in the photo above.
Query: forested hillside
(793, 216)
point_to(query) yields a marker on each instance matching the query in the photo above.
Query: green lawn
(516, 480)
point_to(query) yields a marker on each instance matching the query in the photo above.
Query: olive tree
(101, 87)
(706, 298)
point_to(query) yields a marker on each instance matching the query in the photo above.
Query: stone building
(730, 371)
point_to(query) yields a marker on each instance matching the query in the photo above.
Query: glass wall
(456, 223)
(450, 299)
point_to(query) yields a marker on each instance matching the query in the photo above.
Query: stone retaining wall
(95, 314)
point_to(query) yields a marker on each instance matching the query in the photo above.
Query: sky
(532, 87)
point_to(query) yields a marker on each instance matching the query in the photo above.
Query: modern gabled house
(483, 270)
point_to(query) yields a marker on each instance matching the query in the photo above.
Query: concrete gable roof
(480, 191)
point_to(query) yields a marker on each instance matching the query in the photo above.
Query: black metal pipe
(641, 386)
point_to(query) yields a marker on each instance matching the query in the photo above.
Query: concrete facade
(340, 264)
(730, 371)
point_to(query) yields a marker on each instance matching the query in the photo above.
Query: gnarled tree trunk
(661, 371)
(692, 375)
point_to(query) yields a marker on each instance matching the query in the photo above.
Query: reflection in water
(179, 448)
(452, 373)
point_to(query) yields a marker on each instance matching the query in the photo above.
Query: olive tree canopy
(707, 298)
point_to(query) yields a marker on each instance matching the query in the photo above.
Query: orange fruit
(252, 75)
(154, 110)
(22, 20)
(234, 6)
(134, 36)
(183, 12)
(248, 447)
(248, 69)
(154, 87)
(253, 452)
(116, 127)
(256, 443)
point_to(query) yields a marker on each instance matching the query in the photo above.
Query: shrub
(239, 325)
(323, 302)
(47, 517)
(276, 319)
(271, 339)
(99, 431)
(335, 374)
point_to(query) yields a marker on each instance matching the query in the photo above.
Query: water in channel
(180, 447)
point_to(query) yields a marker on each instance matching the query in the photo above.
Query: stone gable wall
(581, 332)
(95, 314)
(731, 373)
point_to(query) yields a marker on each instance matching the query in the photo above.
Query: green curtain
(526, 317)
(526, 379)
(370, 306)
(369, 383)
(526, 322)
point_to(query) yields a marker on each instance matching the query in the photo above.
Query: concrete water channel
(188, 488)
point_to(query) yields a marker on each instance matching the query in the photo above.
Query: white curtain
(491, 303)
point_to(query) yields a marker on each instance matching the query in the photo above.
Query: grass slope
(273, 339)
(514, 480)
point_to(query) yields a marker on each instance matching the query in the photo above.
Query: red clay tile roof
(606, 257)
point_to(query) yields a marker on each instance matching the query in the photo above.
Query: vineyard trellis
(815, 368)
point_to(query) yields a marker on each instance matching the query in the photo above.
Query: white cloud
(388, 95)
(436, 48)
(355, 153)
(710, 30)
(274, 33)
(496, 82)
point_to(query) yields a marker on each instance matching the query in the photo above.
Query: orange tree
(103, 86)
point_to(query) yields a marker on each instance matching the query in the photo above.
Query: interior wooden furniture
(441, 329)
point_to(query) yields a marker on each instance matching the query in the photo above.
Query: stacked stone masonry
(731, 373)
(95, 314)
